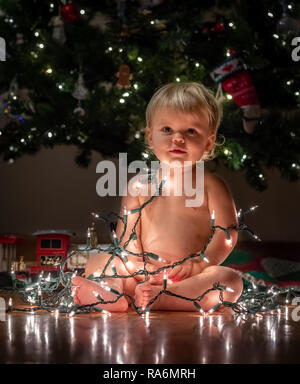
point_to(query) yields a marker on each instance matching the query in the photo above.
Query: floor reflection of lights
(9, 329)
(46, 334)
(72, 336)
(94, 340)
(146, 316)
(286, 313)
(119, 359)
(201, 321)
(219, 322)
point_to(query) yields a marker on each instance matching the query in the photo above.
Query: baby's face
(179, 136)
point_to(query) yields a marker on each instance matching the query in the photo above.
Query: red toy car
(51, 248)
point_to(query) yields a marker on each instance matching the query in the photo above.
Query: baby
(182, 122)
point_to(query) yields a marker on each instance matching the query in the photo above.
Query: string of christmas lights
(55, 294)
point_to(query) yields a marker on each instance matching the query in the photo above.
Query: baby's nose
(178, 138)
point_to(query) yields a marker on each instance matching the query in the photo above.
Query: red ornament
(213, 28)
(70, 13)
(219, 27)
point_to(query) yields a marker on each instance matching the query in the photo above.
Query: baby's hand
(180, 272)
(156, 279)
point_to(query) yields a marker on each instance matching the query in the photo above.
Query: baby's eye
(166, 129)
(192, 131)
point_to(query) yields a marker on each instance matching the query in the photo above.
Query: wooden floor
(163, 338)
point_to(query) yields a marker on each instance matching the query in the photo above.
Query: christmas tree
(82, 73)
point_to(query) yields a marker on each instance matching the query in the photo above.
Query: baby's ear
(148, 136)
(210, 142)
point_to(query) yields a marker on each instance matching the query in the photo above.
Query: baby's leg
(85, 288)
(193, 287)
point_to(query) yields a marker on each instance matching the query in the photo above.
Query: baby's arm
(134, 263)
(219, 200)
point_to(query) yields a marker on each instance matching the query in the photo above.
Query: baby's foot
(144, 293)
(86, 291)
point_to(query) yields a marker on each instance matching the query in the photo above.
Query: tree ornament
(237, 82)
(3, 105)
(100, 21)
(58, 33)
(16, 103)
(80, 93)
(70, 13)
(213, 28)
(4, 118)
(124, 77)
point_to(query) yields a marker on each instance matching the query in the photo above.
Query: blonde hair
(188, 97)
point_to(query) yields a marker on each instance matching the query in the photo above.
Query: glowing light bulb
(123, 255)
(228, 242)
(129, 264)
(138, 185)
(212, 219)
(214, 308)
(165, 280)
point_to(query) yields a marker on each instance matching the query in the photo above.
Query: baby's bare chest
(168, 225)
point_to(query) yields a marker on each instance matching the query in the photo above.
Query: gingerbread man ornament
(124, 77)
